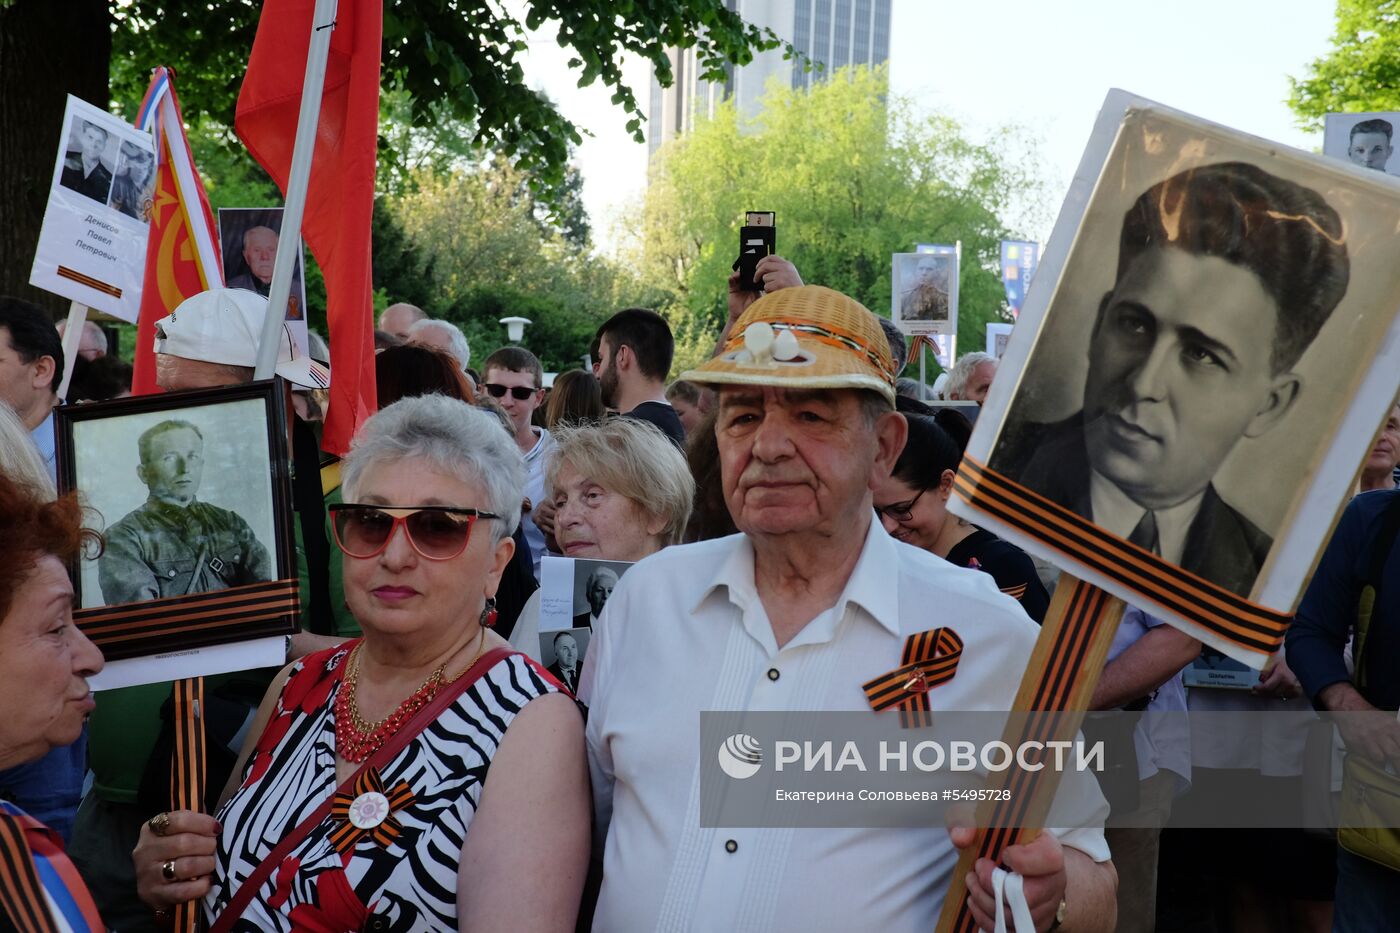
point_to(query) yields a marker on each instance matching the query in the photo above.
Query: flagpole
(288, 241)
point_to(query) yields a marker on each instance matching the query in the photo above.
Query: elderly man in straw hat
(798, 612)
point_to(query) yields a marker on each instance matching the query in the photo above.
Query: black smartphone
(757, 238)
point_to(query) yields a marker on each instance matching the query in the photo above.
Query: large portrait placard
(191, 493)
(1192, 386)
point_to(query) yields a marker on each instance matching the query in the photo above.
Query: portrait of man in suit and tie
(562, 653)
(1225, 274)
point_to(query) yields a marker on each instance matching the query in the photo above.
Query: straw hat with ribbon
(803, 338)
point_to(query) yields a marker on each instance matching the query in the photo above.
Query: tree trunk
(48, 49)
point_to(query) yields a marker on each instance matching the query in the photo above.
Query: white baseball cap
(224, 325)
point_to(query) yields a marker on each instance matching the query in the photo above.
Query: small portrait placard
(924, 291)
(92, 244)
(573, 591)
(1363, 139)
(248, 238)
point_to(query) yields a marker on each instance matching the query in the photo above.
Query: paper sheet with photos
(1207, 351)
(573, 593)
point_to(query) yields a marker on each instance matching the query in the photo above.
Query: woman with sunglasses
(423, 777)
(913, 506)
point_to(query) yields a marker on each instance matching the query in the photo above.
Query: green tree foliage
(1362, 69)
(457, 59)
(472, 250)
(853, 175)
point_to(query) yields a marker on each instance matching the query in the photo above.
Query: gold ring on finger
(160, 823)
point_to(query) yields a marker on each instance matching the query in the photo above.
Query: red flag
(340, 198)
(182, 257)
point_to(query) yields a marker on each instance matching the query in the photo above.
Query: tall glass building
(834, 32)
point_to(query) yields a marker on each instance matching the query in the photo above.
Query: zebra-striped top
(400, 872)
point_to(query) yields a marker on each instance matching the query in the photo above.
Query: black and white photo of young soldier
(131, 189)
(1369, 143)
(83, 170)
(1225, 275)
(926, 296)
(173, 544)
(599, 587)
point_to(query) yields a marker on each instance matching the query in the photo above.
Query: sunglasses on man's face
(437, 532)
(519, 393)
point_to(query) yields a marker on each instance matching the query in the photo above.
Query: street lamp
(515, 327)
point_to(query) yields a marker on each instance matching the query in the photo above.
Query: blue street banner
(1018, 262)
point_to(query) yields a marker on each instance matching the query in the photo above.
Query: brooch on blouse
(930, 658)
(367, 810)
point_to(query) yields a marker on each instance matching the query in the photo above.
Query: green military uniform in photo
(161, 550)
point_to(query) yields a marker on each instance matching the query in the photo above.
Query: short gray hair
(963, 369)
(454, 437)
(456, 340)
(913, 388)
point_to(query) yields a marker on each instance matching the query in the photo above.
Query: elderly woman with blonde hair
(621, 490)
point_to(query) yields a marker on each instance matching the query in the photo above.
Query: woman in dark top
(913, 506)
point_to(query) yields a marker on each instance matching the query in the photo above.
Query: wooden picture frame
(192, 493)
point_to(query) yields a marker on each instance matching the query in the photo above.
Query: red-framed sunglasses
(436, 532)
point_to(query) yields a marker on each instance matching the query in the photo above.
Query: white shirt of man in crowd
(536, 445)
(686, 631)
(708, 627)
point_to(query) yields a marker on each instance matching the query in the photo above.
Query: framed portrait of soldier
(248, 238)
(1363, 139)
(1181, 411)
(191, 494)
(924, 292)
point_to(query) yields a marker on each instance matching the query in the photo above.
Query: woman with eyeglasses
(423, 777)
(913, 506)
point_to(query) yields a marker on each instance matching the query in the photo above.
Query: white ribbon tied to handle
(1009, 890)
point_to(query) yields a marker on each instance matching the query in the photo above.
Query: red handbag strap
(385, 753)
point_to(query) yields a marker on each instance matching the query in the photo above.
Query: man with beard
(635, 348)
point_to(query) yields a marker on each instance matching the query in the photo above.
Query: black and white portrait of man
(1224, 276)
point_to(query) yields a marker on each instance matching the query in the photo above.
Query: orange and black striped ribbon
(21, 894)
(930, 658)
(188, 772)
(1227, 615)
(345, 836)
(249, 611)
(1046, 720)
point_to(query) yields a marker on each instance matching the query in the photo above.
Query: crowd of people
(416, 765)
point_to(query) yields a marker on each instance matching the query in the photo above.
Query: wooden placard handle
(188, 775)
(1058, 683)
